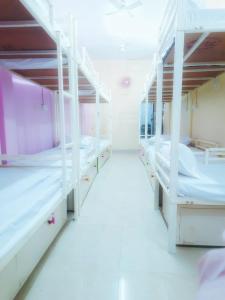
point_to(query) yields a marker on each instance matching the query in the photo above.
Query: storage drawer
(201, 225)
(9, 281)
(197, 225)
(87, 181)
(151, 175)
(21, 266)
(102, 159)
(31, 253)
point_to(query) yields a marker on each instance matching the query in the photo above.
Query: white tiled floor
(118, 248)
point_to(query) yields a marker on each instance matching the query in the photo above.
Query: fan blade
(134, 5)
(117, 3)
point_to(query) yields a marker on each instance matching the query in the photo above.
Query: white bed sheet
(209, 186)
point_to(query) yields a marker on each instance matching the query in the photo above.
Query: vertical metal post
(139, 123)
(159, 109)
(51, 13)
(98, 120)
(146, 115)
(56, 117)
(111, 120)
(61, 111)
(75, 128)
(159, 103)
(175, 128)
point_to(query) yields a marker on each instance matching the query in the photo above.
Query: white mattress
(209, 186)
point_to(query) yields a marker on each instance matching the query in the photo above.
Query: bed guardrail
(161, 173)
(88, 66)
(33, 160)
(214, 154)
(167, 28)
(204, 144)
(42, 7)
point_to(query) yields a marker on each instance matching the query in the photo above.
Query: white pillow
(185, 140)
(187, 164)
(162, 138)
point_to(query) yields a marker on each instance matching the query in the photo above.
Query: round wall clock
(125, 82)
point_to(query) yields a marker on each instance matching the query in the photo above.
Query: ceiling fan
(124, 5)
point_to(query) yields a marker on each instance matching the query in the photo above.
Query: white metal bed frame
(180, 19)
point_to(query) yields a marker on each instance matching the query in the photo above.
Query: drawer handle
(51, 220)
(86, 178)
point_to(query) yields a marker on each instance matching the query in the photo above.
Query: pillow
(187, 164)
(163, 138)
(185, 140)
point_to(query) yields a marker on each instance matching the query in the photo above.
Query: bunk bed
(34, 188)
(57, 180)
(190, 53)
(92, 92)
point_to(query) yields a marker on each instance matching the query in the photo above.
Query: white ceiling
(105, 36)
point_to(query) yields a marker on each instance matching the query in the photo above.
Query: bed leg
(76, 203)
(156, 195)
(172, 227)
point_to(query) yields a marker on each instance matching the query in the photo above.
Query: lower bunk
(33, 209)
(32, 212)
(198, 212)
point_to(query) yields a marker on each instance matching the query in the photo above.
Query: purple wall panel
(2, 125)
(28, 115)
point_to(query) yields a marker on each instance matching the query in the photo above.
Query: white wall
(126, 101)
(208, 112)
(203, 112)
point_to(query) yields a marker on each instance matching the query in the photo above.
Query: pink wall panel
(9, 110)
(67, 107)
(28, 115)
(2, 126)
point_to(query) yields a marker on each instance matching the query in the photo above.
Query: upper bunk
(28, 46)
(204, 47)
